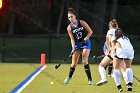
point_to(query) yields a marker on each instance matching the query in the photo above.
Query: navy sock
(71, 71)
(88, 73)
(110, 67)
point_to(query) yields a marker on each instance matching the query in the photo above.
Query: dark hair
(113, 23)
(71, 10)
(118, 34)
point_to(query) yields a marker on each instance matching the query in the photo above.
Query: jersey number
(79, 35)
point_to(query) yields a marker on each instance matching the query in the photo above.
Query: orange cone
(43, 59)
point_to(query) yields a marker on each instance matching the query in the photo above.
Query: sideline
(28, 80)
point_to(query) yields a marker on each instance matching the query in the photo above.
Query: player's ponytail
(118, 34)
(71, 10)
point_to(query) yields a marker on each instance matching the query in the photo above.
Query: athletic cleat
(120, 88)
(112, 75)
(66, 81)
(109, 75)
(90, 82)
(101, 82)
(129, 87)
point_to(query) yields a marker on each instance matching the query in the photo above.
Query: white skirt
(125, 53)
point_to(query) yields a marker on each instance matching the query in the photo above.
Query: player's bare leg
(75, 58)
(116, 64)
(106, 60)
(85, 55)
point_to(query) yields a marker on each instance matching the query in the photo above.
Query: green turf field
(12, 74)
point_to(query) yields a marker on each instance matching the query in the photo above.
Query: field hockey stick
(97, 57)
(136, 78)
(133, 75)
(58, 65)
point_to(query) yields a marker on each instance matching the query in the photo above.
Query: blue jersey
(79, 34)
(78, 31)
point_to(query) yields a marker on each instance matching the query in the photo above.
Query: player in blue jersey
(79, 33)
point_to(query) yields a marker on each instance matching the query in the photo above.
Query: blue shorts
(104, 47)
(87, 45)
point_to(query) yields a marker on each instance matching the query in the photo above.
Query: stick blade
(57, 66)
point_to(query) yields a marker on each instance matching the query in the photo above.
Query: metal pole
(3, 48)
(60, 18)
(50, 32)
(11, 24)
(50, 43)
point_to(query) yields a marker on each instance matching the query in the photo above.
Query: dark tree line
(41, 16)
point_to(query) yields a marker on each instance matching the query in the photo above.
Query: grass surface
(12, 74)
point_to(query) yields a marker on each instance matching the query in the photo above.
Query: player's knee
(102, 65)
(84, 56)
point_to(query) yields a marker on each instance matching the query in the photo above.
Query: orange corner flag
(43, 59)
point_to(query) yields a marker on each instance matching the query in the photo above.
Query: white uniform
(111, 32)
(127, 50)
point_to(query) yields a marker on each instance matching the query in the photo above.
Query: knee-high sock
(102, 72)
(110, 67)
(88, 73)
(125, 77)
(71, 71)
(117, 77)
(129, 74)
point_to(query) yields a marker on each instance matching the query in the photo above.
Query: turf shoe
(66, 81)
(129, 86)
(101, 82)
(119, 88)
(90, 82)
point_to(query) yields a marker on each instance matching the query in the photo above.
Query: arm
(71, 37)
(108, 38)
(87, 28)
(108, 41)
(107, 44)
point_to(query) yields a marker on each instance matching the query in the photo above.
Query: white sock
(129, 74)
(125, 77)
(117, 77)
(102, 72)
